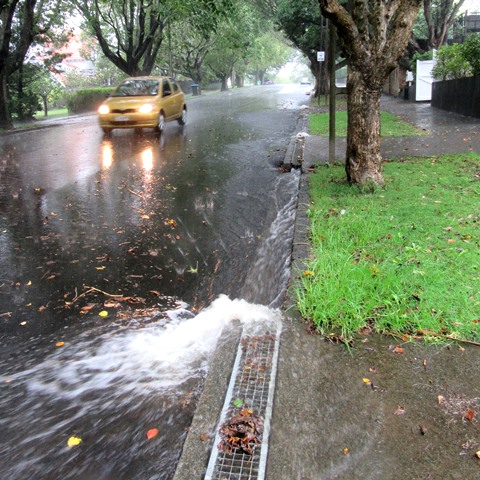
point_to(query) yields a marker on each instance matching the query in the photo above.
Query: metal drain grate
(252, 382)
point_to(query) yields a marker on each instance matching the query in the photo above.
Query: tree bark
(5, 117)
(373, 36)
(224, 80)
(363, 163)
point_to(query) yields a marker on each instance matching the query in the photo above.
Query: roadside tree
(22, 24)
(373, 36)
(306, 28)
(440, 15)
(131, 32)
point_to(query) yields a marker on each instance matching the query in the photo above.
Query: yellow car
(143, 102)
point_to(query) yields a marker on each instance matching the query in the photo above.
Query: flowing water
(109, 387)
(108, 383)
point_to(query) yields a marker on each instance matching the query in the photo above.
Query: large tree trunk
(363, 163)
(5, 118)
(373, 36)
(224, 80)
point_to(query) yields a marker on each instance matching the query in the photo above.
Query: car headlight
(147, 108)
(104, 109)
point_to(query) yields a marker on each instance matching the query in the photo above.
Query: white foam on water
(155, 359)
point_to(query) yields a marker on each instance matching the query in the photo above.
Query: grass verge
(404, 259)
(54, 113)
(391, 126)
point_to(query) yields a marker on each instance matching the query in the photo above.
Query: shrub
(87, 100)
(471, 52)
(451, 63)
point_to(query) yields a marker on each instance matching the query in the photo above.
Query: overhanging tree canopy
(131, 32)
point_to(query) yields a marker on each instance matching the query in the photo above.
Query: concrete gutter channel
(327, 424)
(202, 438)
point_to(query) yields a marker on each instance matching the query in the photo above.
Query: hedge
(87, 99)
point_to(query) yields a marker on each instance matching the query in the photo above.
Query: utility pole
(333, 92)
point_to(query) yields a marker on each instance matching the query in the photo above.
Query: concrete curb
(199, 442)
(198, 445)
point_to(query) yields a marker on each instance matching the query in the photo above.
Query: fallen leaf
(153, 432)
(469, 415)
(367, 381)
(103, 313)
(440, 399)
(204, 437)
(74, 441)
(238, 402)
(60, 344)
(87, 308)
(398, 349)
(399, 411)
(477, 454)
(346, 451)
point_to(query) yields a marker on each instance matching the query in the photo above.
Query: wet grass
(404, 259)
(391, 126)
(54, 113)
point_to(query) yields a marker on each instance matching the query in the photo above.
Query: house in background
(74, 62)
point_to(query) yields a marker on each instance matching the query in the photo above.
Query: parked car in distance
(143, 102)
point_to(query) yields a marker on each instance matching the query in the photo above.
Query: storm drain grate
(252, 384)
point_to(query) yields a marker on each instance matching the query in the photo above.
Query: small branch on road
(90, 290)
(137, 194)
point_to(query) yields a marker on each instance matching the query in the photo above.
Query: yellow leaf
(60, 344)
(103, 313)
(367, 381)
(74, 441)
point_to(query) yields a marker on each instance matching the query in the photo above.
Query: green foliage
(400, 259)
(451, 63)
(87, 100)
(471, 52)
(24, 106)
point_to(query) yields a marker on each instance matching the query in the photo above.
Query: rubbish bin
(195, 89)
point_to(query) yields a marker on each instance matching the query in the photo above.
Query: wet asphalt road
(139, 216)
(106, 246)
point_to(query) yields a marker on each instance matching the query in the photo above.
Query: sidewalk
(327, 423)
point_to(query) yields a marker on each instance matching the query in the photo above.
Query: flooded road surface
(109, 249)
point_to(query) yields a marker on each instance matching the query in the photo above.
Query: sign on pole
(320, 56)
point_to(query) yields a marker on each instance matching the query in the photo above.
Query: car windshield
(137, 88)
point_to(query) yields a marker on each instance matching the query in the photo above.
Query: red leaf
(153, 432)
(469, 415)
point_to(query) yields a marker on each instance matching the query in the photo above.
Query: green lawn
(403, 259)
(391, 125)
(54, 113)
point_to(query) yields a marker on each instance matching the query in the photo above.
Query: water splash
(106, 385)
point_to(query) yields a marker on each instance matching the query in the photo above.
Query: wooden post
(333, 92)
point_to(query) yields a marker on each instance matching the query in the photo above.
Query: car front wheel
(183, 119)
(161, 123)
